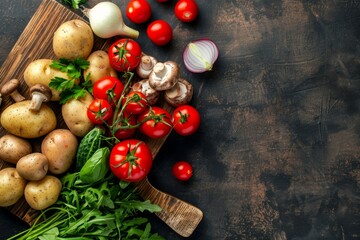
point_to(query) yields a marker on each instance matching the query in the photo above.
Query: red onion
(200, 55)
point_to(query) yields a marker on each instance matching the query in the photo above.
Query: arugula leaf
(75, 4)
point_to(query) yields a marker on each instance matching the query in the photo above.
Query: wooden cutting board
(36, 42)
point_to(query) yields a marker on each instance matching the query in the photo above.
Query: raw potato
(43, 193)
(39, 71)
(59, 146)
(12, 186)
(99, 66)
(18, 120)
(12, 148)
(73, 39)
(75, 116)
(33, 167)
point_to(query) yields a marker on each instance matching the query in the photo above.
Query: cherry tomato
(125, 55)
(159, 32)
(108, 88)
(159, 123)
(131, 160)
(99, 111)
(138, 11)
(125, 125)
(186, 10)
(182, 170)
(186, 120)
(136, 102)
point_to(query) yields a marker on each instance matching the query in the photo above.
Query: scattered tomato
(125, 54)
(108, 88)
(136, 102)
(182, 170)
(138, 11)
(131, 160)
(99, 111)
(159, 32)
(186, 10)
(186, 120)
(159, 123)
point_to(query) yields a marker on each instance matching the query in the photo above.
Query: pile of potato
(35, 174)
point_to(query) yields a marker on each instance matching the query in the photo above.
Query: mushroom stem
(36, 101)
(40, 93)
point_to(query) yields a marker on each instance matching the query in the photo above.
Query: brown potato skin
(19, 120)
(33, 167)
(59, 146)
(73, 39)
(43, 193)
(12, 186)
(99, 66)
(12, 148)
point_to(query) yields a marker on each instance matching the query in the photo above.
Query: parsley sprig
(75, 4)
(67, 87)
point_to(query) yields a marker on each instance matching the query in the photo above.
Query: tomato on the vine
(157, 122)
(182, 170)
(131, 160)
(138, 11)
(99, 111)
(125, 54)
(108, 88)
(159, 32)
(186, 10)
(186, 120)
(135, 102)
(126, 127)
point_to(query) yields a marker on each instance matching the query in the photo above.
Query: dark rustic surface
(278, 152)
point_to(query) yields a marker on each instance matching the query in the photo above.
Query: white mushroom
(151, 94)
(164, 75)
(180, 94)
(40, 93)
(10, 89)
(145, 67)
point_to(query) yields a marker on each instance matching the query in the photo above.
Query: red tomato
(99, 111)
(125, 55)
(108, 88)
(186, 10)
(186, 120)
(131, 160)
(159, 123)
(138, 11)
(126, 126)
(159, 32)
(136, 102)
(182, 170)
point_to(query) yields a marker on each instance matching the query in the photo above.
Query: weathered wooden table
(277, 155)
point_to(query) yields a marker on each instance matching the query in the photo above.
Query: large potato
(43, 193)
(39, 71)
(99, 66)
(19, 120)
(74, 113)
(73, 39)
(59, 147)
(12, 148)
(12, 187)
(33, 166)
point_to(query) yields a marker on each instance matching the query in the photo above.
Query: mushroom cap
(151, 94)
(9, 87)
(146, 66)
(42, 89)
(180, 94)
(164, 75)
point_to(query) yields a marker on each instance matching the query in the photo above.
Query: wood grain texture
(277, 154)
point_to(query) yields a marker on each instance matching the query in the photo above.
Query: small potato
(12, 148)
(39, 71)
(74, 113)
(43, 193)
(59, 146)
(73, 39)
(19, 120)
(12, 186)
(99, 66)
(33, 167)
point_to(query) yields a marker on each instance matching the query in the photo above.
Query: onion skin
(199, 56)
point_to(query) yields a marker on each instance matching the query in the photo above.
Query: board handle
(179, 215)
